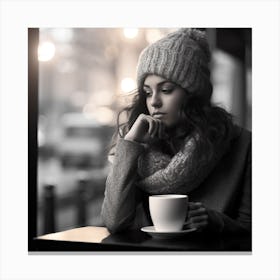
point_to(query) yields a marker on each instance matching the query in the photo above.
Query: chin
(170, 126)
(167, 125)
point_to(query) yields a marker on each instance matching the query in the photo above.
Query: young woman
(176, 141)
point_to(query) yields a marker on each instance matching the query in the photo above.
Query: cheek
(175, 108)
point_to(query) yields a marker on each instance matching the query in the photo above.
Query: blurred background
(85, 77)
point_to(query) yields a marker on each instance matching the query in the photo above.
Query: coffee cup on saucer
(168, 212)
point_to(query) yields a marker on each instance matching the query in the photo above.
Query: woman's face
(164, 99)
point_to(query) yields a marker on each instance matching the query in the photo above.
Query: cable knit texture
(161, 173)
(182, 57)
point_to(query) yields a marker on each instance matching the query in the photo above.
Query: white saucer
(166, 235)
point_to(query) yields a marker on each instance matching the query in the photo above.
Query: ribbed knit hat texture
(181, 57)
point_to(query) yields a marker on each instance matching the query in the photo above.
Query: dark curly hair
(210, 124)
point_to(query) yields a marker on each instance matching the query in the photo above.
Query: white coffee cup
(168, 212)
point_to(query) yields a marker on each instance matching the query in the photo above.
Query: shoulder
(241, 135)
(241, 143)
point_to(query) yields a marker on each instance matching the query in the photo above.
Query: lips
(158, 114)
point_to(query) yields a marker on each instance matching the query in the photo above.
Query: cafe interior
(84, 77)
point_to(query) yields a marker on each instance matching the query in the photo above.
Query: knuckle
(204, 217)
(202, 210)
(142, 116)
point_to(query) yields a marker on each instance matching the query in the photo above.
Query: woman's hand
(197, 216)
(146, 129)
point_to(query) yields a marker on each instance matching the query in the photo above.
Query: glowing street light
(153, 35)
(130, 33)
(127, 85)
(46, 51)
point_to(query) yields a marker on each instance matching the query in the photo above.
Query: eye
(167, 87)
(167, 90)
(147, 92)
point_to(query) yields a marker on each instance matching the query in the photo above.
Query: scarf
(161, 173)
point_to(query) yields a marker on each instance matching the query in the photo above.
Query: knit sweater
(225, 192)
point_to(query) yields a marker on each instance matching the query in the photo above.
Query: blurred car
(84, 142)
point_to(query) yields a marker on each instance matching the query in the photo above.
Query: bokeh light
(41, 138)
(46, 51)
(105, 115)
(153, 35)
(102, 114)
(102, 98)
(127, 85)
(130, 33)
(62, 34)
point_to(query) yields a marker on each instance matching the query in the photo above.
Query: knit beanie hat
(181, 57)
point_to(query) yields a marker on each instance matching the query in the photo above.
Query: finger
(198, 219)
(155, 130)
(194, 205)
(197, 212)
(200, 225)
(157, 124)
(151, 126)
(161, 130)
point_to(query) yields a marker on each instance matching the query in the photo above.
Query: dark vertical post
(33, 41)
(82, 201)
(49, 209)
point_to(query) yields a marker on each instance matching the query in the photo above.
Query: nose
(155, 100)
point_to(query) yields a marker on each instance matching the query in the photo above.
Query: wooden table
(82, 234)
(91, 238)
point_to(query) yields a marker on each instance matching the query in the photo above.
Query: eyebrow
(160, 83)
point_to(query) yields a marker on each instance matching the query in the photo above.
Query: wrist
(129, 138)
(132, 139)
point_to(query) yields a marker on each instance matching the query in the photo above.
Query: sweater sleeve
(119, 205)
